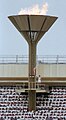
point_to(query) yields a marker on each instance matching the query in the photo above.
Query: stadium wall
(21, 70)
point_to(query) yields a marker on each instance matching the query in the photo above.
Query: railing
(14, 59)
(40, 59)
(32, 86)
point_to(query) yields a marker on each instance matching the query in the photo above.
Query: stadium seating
(14, 106)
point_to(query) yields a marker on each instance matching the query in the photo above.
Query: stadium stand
(14, 106)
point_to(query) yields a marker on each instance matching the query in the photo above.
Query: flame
(35, 10)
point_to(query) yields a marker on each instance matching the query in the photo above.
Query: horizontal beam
(46, 80)
(14, 78)
(26, 78)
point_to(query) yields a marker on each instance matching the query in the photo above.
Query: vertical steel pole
(32, 65)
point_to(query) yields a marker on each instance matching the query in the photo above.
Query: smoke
(35, 10)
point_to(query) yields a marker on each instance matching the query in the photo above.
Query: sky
(12, 42)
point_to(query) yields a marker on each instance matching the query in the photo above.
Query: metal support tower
(32, 27)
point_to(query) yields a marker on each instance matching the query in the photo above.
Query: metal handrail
(31, 86)
(40, 59)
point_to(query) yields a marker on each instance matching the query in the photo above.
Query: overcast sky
(53, 42)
